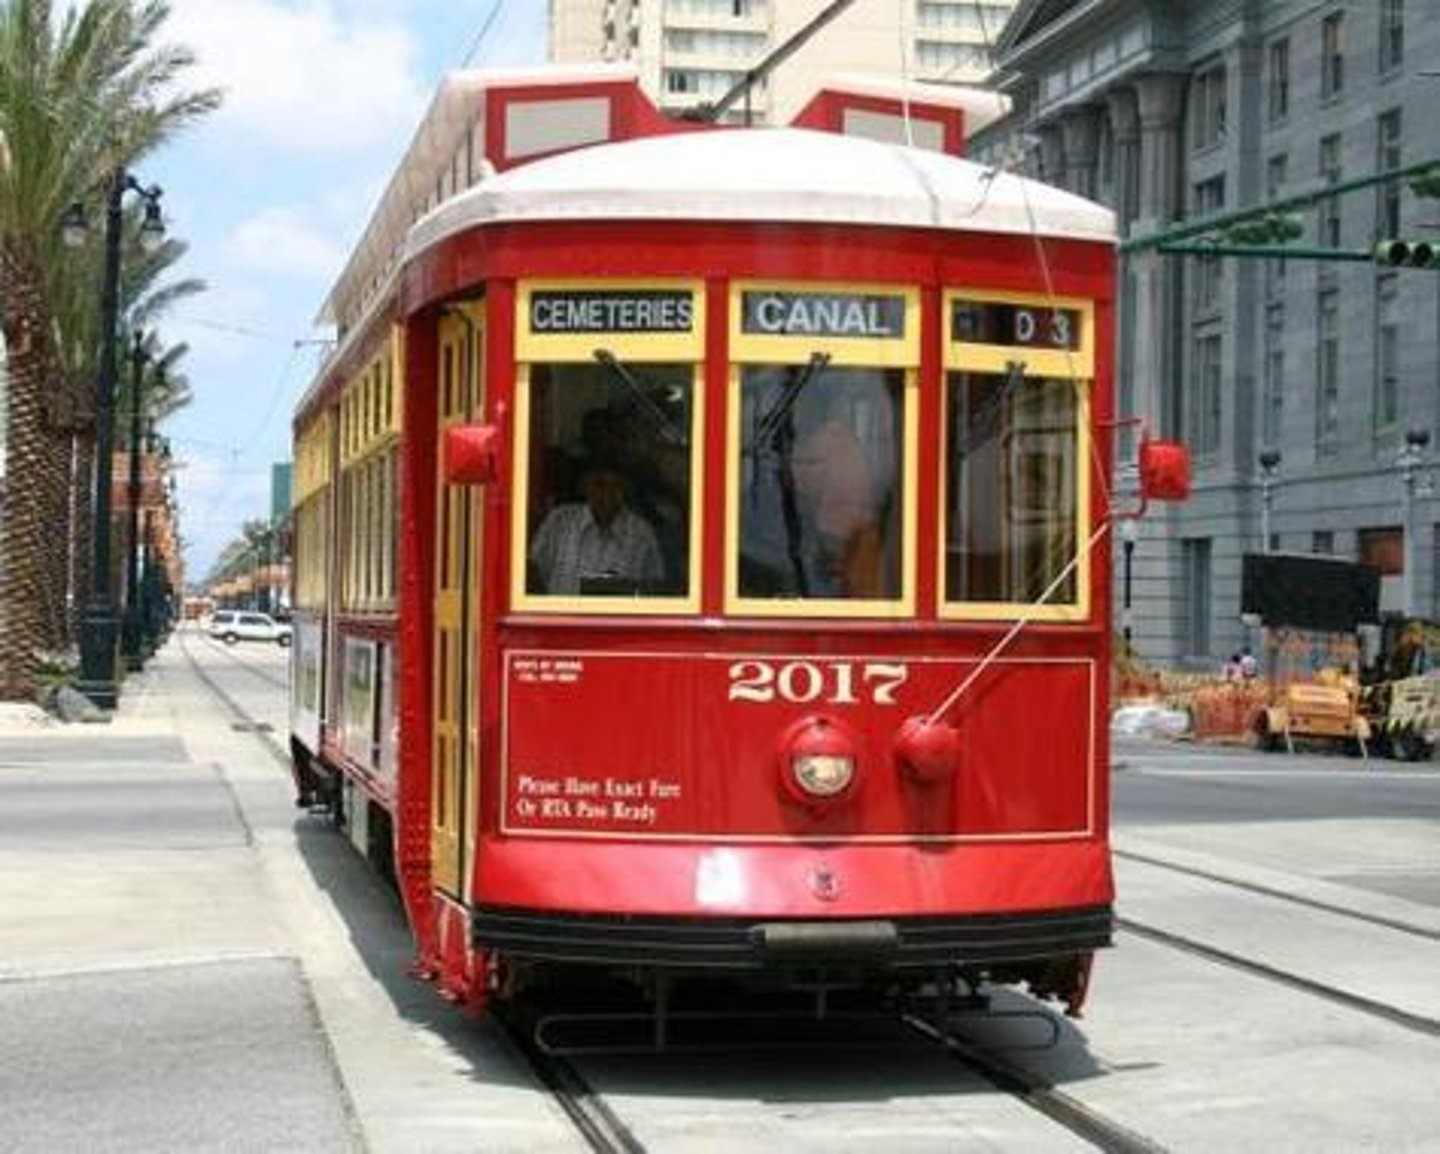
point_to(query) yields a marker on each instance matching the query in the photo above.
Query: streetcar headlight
(818, 761)
(823, 774)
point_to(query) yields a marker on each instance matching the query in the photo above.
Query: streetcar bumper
(742, 944)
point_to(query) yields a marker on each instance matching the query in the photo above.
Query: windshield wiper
(652, 410)
(984, 423)
(785, 403)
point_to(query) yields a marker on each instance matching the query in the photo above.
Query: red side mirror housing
(472, 454)
(1164, 470)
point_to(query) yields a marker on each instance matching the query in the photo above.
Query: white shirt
(570, 546)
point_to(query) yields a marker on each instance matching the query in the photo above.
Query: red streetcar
(700, 549)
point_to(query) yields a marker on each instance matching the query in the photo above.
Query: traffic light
(1268, 228)
(1406, 253)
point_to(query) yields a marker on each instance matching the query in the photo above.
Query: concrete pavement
(187, 964)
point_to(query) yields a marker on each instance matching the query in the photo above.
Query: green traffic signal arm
(1184, 231)
(1276, 251)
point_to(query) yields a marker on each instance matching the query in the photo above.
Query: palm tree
(77, 102)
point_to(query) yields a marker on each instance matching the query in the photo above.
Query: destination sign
(866, 315)
(609, 311)
(999, 323)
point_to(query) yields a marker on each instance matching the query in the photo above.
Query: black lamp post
(1410, 459)
(131, 648)
(1127, 541)
(97, 627)
(1269, 471)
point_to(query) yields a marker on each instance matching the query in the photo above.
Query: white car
(232, 625)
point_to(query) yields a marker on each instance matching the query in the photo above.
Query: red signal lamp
(928, 751)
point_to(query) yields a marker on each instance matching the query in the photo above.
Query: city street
(220, 973)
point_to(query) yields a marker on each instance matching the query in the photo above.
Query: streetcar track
(235, 658)
(1271, 892)
(1041, 1096)
(1417, 1023)
(266, 737)
(602, 1130)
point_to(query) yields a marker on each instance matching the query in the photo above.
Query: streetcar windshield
(1011, 487)
(821, 481)
(610, 479)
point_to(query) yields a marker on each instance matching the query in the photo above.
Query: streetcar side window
(611, 471)
(1012, 500)
(821, 481)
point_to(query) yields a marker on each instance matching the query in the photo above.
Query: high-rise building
(692, 52)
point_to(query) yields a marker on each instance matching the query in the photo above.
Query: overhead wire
(489, 23)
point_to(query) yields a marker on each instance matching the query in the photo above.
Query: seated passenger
(598, 544)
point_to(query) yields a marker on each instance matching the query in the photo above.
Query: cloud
(299, 76)
(215, 495)
(284, 240)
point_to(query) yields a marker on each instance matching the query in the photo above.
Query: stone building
(1326, 370)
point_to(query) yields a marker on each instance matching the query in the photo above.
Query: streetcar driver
(836, 488)
(596, 545)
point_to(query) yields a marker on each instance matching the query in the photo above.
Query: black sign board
(786, 314)
(1307, 591)
(1026, 326)
(612, 311)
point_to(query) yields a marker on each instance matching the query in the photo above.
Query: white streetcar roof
(769, 174)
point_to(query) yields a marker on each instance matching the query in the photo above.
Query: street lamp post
(130, 639)
(1127, 544)
(97, 627)
(1409, 461)
(1269, 471)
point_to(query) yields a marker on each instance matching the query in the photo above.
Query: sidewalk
(215, 970)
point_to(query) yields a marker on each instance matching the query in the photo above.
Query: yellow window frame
(579, 348)
(1074, 365)
(850, 352)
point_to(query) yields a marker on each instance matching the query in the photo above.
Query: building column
(1159, 316)
(1124, 112)
(1080, 139)
(1152, 353)
(1052, 154)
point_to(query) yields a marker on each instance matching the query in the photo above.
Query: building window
(1327, 363)
(1332, 54)
(1273, 415)
(1196, 552)
(1276, 172)
(1392, 34)
(1207, 123)
(1208, 199)
(1387, 196)
(1205, 395)
(1387, 353)
(1329, 208)
(1383, 549)
(1278, 81)
(1322, 541)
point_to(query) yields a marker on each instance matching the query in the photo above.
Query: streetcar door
(456, 602)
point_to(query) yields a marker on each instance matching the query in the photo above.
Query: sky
(271, 192)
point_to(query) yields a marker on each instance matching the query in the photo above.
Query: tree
(77, 102)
